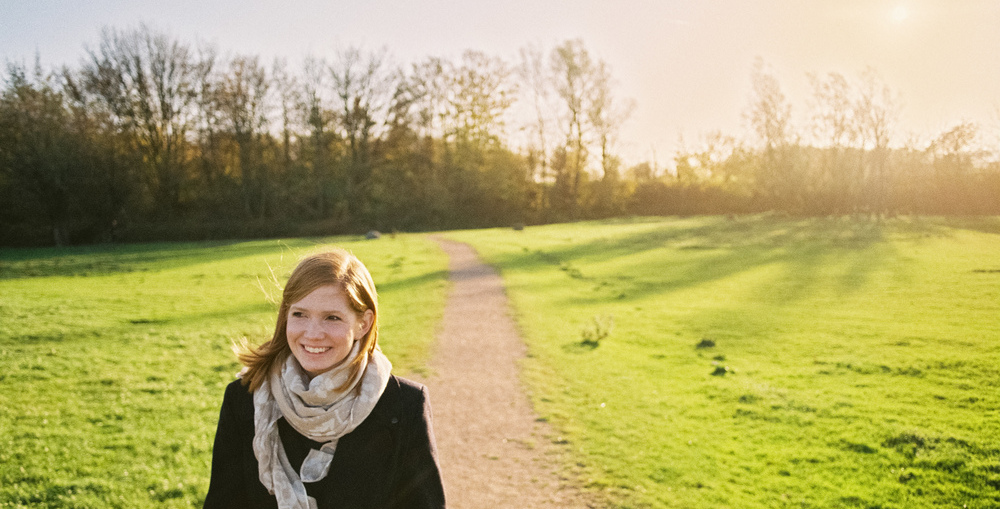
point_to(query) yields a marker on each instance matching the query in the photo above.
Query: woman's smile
(315, 349)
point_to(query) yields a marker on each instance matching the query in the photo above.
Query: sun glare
(900, 14)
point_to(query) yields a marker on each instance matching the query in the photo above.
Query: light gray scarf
(316, 410)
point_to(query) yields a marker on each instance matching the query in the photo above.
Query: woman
(316, 420)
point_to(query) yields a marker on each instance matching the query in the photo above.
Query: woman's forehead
(330, 297)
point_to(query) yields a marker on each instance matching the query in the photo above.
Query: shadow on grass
(976, 224)
(718, 248)
(129, 328)
(410, 282)
(108, 259)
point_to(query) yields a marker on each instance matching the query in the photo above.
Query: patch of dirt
(493, 451)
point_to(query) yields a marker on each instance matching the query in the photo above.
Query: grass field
(113, 359)
(766, 362)
(699, 362)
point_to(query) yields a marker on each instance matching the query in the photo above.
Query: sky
(685, 63)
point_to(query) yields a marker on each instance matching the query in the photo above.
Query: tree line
(847, 159)
(151, 138)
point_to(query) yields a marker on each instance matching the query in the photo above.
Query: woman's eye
(331, 317)
(297, 314)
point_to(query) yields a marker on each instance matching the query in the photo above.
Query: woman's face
(322, 328)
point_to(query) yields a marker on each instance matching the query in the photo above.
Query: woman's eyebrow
(322, 311)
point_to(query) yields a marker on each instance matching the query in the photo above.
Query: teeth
(315, 350)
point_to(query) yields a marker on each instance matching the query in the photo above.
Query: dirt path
(493, 452)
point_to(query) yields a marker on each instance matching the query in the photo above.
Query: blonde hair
(336, 267)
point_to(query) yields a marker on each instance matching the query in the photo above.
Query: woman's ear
(365, 324)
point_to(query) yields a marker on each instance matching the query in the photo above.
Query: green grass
(113, 359)
(856, 363)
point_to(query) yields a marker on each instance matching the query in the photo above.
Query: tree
(875, 109)
(952, 156)
(363, 86)
(147, 82)
(413, 184)
(242, 99)
(59, 170)
(770, 115)
(289, 96)
(37, 151)
(606, 115)
(210, 163)
(536, 84)
(835, 131)
(318, 118)
(572, 77)
(110, 182)
(483, 178)
(481, 94)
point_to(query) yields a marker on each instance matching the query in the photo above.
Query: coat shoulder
(238, 400)
(237, 386)
(409, 387)
(237, 391)
(411, 393)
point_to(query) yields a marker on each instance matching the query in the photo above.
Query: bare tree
(210, 168)
(835, 131)
(770, 115)
(363, 86)
(954, 148)
(833, 122)
(481, 94)
(289, 96)
(572, 78)
(148, 82)
(876, 108)
(953, 154)
(606, 114)
(485, 181)
(243, 102)
(318, 118)
(427, 83)
(536, 90)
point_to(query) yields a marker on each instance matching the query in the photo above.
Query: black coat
(388, 462)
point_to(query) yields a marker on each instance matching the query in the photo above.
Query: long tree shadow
(130, 327)
(976, 224)
(409, 282)
(106, 259)
(717, 249)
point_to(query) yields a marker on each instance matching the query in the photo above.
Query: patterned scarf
(316, 410)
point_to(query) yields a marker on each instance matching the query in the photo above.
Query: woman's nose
(314, 329)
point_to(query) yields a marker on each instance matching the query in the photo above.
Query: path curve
(494, 453)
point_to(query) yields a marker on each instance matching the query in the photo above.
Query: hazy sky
(685, 63)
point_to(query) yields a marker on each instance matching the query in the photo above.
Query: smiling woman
(323, 327)
(316, 419)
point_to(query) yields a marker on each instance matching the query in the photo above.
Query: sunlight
(900, 14)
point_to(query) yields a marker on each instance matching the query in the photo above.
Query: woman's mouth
(311, 349)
